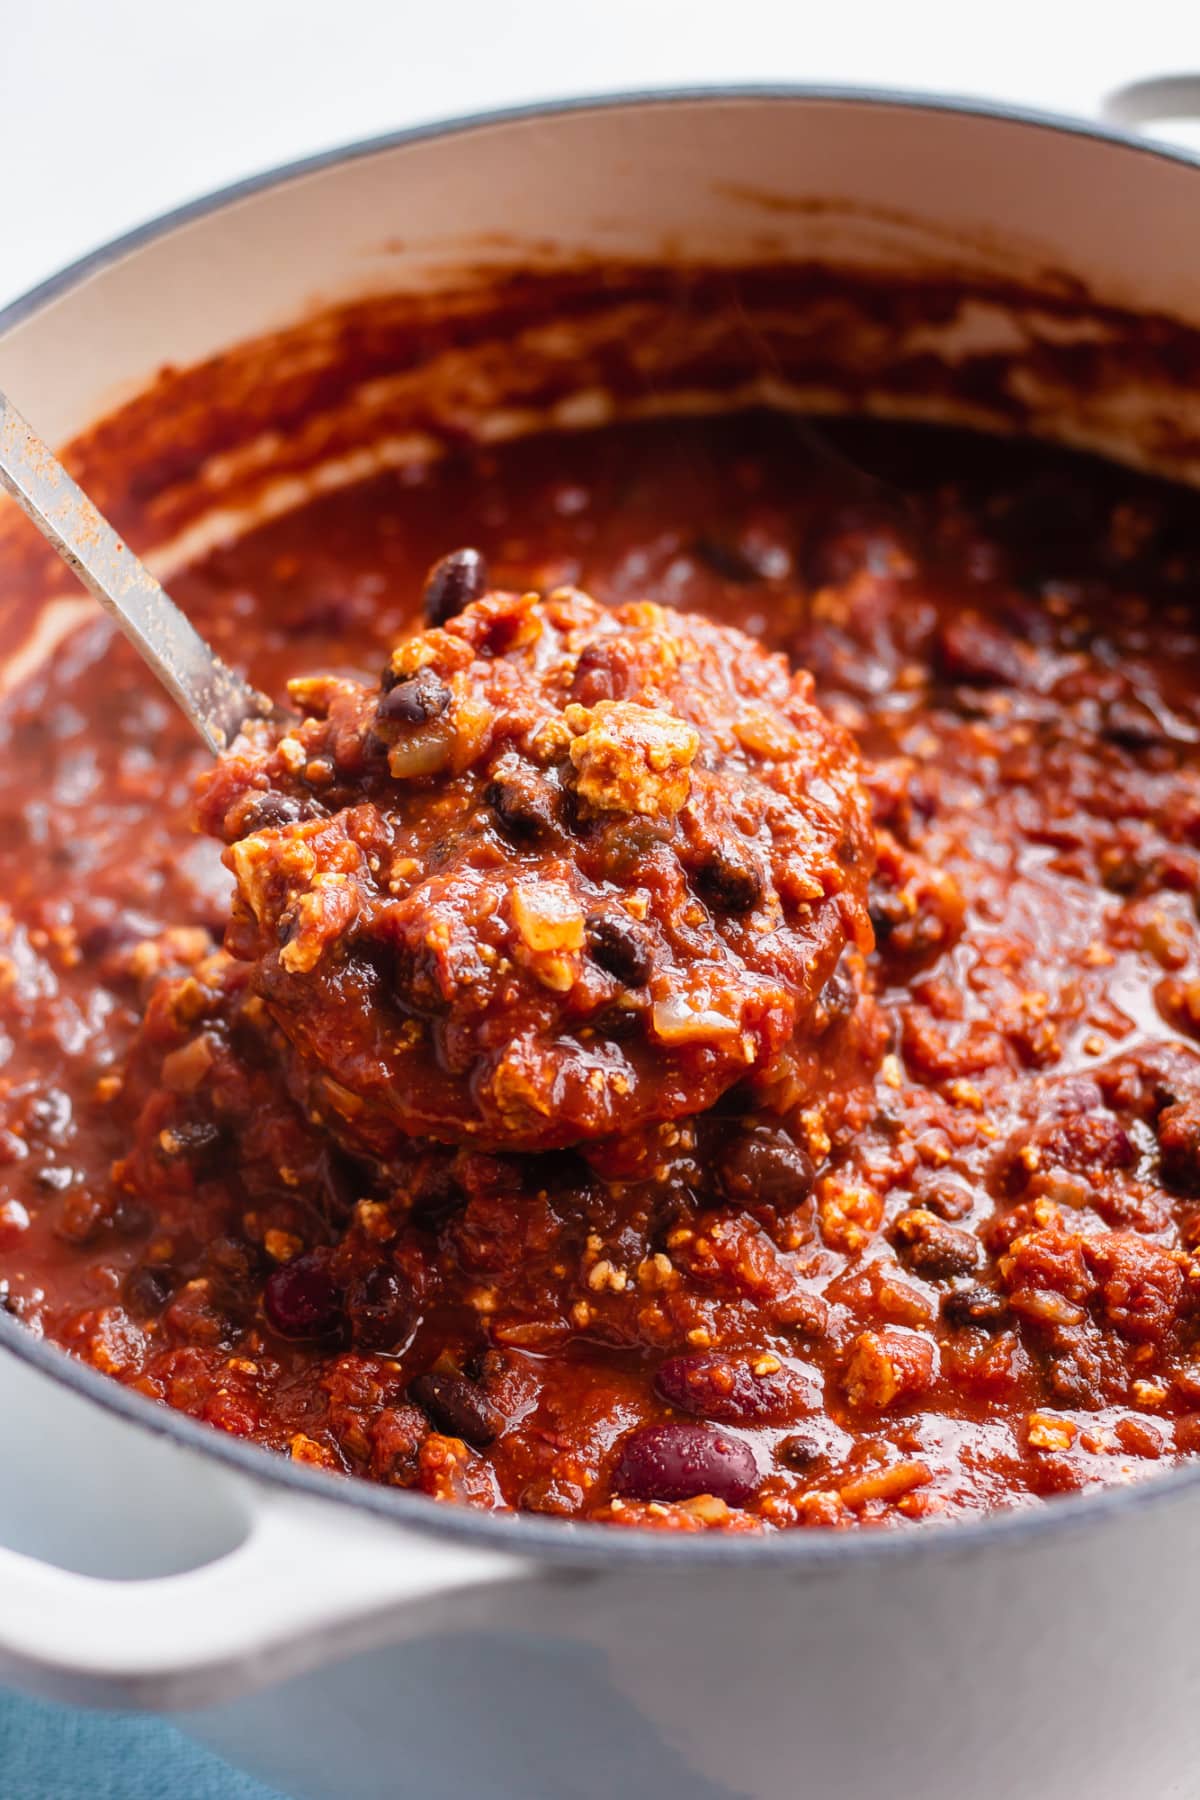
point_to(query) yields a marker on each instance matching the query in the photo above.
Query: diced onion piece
(675, 1021)
(547, 915)
(424, 752)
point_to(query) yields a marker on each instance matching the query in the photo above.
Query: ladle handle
(216, 701)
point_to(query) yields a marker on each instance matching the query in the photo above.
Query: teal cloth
(61, 1753)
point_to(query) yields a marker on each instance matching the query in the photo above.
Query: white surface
(111, 112)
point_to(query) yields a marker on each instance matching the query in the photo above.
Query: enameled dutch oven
(351, 1641)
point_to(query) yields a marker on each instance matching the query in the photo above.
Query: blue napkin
(61, 1753)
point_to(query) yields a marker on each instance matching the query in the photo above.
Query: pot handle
(1166, 107)
(305, 1585)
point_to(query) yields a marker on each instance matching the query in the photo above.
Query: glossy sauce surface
(950, 1269)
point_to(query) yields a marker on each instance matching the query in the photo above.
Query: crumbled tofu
(630, 758)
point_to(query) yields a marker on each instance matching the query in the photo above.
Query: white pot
(342, 1640)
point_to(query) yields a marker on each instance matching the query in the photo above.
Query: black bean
(197, 1138)
(423, 697)
(979, 1306)
(838, 997)
(147, 1291)
(1052, 519)
(620, 848)
(235, 1261)
(617, 1023)
(947, 1196)
(268, 812)
(934, 1249)
(764, 1164)
(728, 882)
(342, 1183)
(674, 1461)
(437, 1196)
(524, 802)
(131, 1218)
(887, 911)
(382, 1309)
(799, 1451)
(457, 1407)
(619, 947)
(726, 559)
(452, 584)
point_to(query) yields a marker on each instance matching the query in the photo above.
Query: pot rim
(524, 1536)
(24, 305)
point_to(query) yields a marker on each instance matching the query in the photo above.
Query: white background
(113, 110)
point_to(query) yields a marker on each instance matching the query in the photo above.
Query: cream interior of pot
(563, 270)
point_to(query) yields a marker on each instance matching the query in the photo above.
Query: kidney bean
(301, 1299)
(458, 1407)
(595, 676)
(452, 584)
(1141, 1286)
(1090, 1140)
(1179, 1144)
(1187, 1433)
(106, 935)
(675, 1461)
(726, 1389)
(1071, 1094)
(341, 1182)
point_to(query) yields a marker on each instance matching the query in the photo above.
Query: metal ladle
(216, 701)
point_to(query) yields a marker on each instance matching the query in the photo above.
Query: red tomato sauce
(928, 1249)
